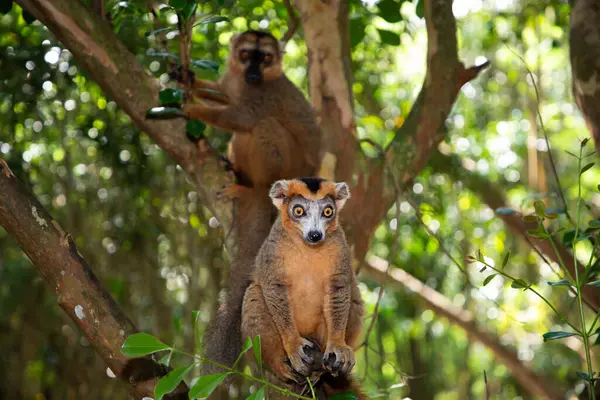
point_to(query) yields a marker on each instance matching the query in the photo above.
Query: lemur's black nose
(314, 236)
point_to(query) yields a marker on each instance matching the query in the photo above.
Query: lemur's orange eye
(298, 211)
(268, 59)
(328, 211)
(244, 55)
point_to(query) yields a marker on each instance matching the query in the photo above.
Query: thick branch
(120, 75)
(79, 292)
(494, 197)
(584, 44)
(422, 131)
(329, 55)
(401, 280)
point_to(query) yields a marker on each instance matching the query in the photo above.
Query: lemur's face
(309, 206)
(257, 55)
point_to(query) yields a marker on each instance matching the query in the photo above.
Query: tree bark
(79, 292)
(584, 42)
(399, 279)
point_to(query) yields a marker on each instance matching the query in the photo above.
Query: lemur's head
(257, 55)
(309, 206)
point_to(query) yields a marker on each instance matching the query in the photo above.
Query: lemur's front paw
(302, 358)
(177, 75)
(338, 359)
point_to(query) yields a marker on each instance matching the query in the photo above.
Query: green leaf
(537, 233)
(5, 7)
(540, 208)
(420, 8)
(152, 33)
(166, 359)
(213, 20)
(206, 384)
(258, 395)
(141, 344)
(256, 349)
(169, 382)
(388, 37)
(530, 218)
(344, 396)
(206, 65)
(357, 31)
(557, 335)
(189, 9)
(562, 282)
(247, 346)
(518, 284)
(164, 113)
(179, 4)
(489, 279)
(505, 260)
(583, 237)
(594, 224)
(571, 154)
(170, 96)
(27, 17)
(583, 375)
(586, 167)
(568, 238)
(505, 211)
(594, 283)
(195, 128)
(389, 10)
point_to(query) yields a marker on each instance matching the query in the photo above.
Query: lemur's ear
(342, 193)
(278, 192)
(233, 40)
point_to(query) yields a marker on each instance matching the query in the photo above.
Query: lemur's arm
(338, 356)
(276, 298)
(225, 117)
(209, 90)
(337, 307)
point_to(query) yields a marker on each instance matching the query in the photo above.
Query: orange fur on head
(311, 189)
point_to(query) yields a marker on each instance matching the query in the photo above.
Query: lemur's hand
(302, 357)
(177, 75)
(338, 359)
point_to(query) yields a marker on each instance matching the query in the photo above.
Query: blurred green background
(139, 222)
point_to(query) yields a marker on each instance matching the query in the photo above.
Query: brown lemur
(304, 300)
(275, 136)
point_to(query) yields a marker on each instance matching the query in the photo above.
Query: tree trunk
(584, 44)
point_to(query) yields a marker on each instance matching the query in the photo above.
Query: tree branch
(399, 279)
(79, 292)
(494, 197)
(123, 79)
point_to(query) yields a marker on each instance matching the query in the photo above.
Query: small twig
(292, 22)
(390, 262)
(539, 114)
(487, 391)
